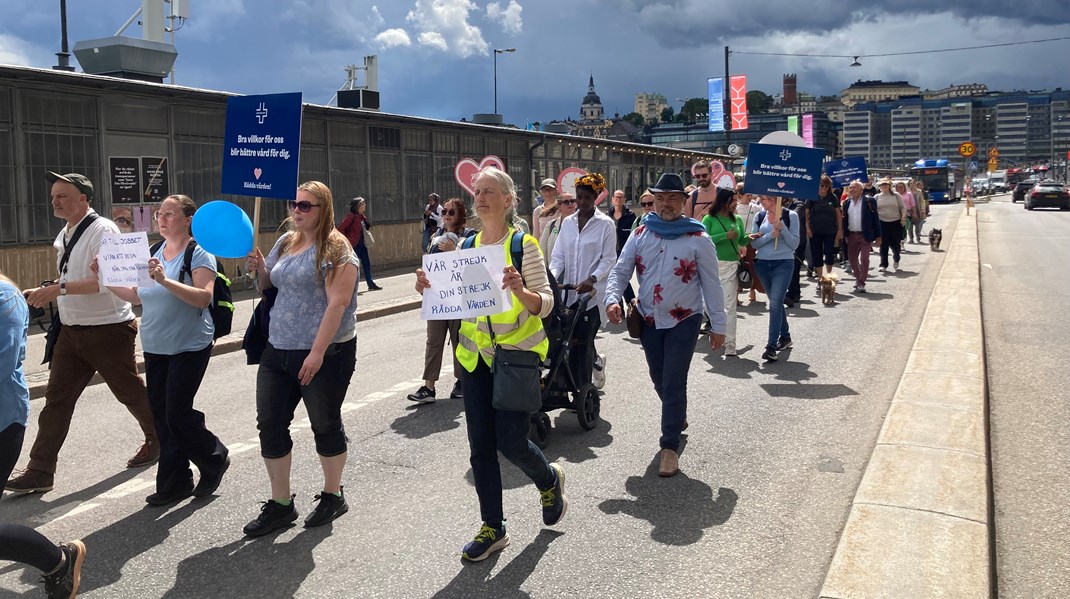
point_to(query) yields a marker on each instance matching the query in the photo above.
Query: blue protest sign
(262, 145)
(845, 170)
(783, 171)
(715, 86)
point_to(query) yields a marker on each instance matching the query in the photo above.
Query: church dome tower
(591, 107)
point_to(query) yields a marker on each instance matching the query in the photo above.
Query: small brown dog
(827, 284)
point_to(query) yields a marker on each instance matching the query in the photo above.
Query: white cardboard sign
(123, 260)
(465, 284)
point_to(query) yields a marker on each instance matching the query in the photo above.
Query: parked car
(1021, 189)
(1048, 194)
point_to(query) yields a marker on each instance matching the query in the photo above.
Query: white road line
(128, 488)
(85, 507)
(237, 448)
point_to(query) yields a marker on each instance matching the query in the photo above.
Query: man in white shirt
(97, 337)
(583, 255)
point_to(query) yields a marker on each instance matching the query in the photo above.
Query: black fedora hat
(669, 183)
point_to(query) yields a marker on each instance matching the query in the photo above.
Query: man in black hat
(97, 336)
(678, 279)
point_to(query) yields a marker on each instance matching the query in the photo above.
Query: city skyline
(435, 59)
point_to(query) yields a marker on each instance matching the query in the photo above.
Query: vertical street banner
(715, 86)
(738, 97)
(808, 130)
(262, 145)
(793, 124)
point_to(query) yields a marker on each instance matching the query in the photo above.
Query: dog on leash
(827, 285)
(935, 236)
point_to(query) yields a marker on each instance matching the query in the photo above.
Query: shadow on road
(680, 508)
(41, 508)
(475, 580)
(808, 391)
(424, 420)
(250, 567)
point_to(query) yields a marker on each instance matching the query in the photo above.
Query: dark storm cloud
(690, 23)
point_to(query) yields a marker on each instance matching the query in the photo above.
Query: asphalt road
(1024, 294)
(773, 458)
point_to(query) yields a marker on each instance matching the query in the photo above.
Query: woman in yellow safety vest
(491, 430)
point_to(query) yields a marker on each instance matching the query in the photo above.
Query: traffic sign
(993, 153)
(992, 164)
(967, 149)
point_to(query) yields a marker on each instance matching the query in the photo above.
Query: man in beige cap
(97, 336)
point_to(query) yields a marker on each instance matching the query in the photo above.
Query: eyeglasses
(450, 212)
(165, 215)
(646, 204)
(304, 207)
(566, 202)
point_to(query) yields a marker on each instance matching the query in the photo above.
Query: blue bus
(943, 182)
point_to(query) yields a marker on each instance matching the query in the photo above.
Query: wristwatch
(63, 288)
(594, 279)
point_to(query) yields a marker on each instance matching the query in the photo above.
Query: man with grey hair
(863, 229)
(97, 336)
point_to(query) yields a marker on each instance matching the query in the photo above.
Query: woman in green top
(726, 229)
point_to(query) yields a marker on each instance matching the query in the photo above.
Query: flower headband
(594, 181)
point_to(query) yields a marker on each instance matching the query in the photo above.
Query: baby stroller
(566, 382)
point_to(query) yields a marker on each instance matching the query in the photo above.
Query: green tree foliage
(636, 119)
(758, 102)
(668, 115)
(692, 108)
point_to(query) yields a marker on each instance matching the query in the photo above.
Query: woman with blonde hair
(519, 329)
(310, 355)
(176, 335)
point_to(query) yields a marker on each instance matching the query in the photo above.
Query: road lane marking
(127, 488)
(85, 507)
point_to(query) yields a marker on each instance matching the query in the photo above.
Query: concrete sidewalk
(919, 525)
(398, 295)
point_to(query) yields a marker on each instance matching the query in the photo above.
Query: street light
(498, 51)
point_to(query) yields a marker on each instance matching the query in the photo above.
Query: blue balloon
(223, 229)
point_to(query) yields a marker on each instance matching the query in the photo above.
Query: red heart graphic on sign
(257, 172)
(466, 170)
(780, 185)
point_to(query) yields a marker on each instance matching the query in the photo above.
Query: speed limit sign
(967, 149)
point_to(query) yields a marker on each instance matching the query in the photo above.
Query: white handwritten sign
(465, 284)
(123, 260)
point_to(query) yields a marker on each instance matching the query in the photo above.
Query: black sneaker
(457, 392)
(162, 498)
(423, 395)
(488, 540)
(273, 515)
(554, 503)
(210, 480)
(330, 507)
(770, 354)
(783, 344)
(63, 583)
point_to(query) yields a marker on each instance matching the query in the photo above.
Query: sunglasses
(646, 204)
(304, 207)
(450, 212)
(702, 176)
(567, 202)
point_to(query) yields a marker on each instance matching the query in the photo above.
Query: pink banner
(808, 130)
(738, 97)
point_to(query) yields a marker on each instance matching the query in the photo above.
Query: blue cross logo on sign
(261, 113)
(785, 154)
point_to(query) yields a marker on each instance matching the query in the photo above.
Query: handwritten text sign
(783, 171)
(123, 260)
(465, 284)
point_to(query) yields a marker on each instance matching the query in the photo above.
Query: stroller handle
(582, 299)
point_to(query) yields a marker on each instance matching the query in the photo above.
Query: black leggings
(891, 238)
(10, 448)
(25, 545)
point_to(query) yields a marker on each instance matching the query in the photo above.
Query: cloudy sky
(435, 56)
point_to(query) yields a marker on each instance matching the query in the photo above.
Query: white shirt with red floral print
(677, 278)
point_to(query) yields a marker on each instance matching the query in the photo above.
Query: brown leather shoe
(30, 481)
(670, 463)
(148, 455)
(684, 427)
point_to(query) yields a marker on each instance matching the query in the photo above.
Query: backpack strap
(516, 248)
(187, 262)
(468, 243)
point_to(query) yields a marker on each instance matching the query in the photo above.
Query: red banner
(738, 96)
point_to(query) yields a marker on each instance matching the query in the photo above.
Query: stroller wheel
(588, 404)
(539, 429)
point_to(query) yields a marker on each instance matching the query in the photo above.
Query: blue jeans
(491, 431)
(668, 356)
(365, 261)
(278, 391)
(775, 276)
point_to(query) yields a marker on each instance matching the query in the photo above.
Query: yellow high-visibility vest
(515, 328)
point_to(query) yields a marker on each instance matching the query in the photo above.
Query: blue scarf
(672, 229)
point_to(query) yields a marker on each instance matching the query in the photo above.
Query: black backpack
(516, 251)
(222, 306)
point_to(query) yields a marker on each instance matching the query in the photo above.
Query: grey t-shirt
(302, 299)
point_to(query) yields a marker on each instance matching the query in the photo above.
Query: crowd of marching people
(692, 249)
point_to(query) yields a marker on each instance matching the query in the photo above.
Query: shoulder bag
(52, 334)
(742, 273)
(634, 320)
(516, 378)
(369, 239)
